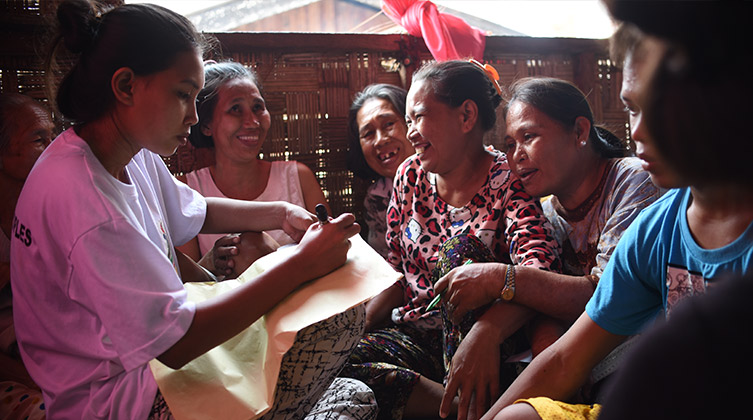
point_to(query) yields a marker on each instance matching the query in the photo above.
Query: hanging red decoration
(447, 37)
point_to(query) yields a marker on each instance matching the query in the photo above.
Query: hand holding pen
(325, 245)
(467, 288)
(438, 296)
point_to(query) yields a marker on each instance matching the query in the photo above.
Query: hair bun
(78, 23)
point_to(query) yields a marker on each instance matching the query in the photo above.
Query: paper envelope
(236, 380)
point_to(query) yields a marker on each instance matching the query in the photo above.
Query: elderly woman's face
(31, 132)
(382, 134)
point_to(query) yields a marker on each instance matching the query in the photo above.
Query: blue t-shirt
(657, 263)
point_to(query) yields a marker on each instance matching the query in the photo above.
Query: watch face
(508, 293)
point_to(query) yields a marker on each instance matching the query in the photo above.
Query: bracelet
(508, 292)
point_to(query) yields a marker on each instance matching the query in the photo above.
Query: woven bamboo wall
(309, 81)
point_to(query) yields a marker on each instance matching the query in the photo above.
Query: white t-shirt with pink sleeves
(101, 295)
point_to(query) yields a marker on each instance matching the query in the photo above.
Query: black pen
(321, 214)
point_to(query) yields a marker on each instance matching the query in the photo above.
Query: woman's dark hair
(563, 102)
(143, 37)
(215, 76)
(396, 97)
(455, 81)
(10, 103)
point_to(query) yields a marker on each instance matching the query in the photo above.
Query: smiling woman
(552, 148)
(452, 187)
(377, 145)
(234, 121)
(378, 121)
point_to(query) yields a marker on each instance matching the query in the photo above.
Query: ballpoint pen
(438, 297)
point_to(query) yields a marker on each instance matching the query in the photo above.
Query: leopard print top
(419, 222)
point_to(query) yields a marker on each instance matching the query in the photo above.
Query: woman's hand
(251, 246)
(474, 373)
(219, 259)
(471, 286)
(296, 220)
(232, 254)
(325, 247)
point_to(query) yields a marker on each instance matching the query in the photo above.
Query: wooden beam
(297, 41)
(530, 45)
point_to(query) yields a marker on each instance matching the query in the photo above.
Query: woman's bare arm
(323, 249)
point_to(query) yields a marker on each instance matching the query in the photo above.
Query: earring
(583, 143)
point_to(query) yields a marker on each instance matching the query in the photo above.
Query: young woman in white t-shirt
(102, 291)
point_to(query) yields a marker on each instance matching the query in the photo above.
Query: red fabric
(447, 37)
